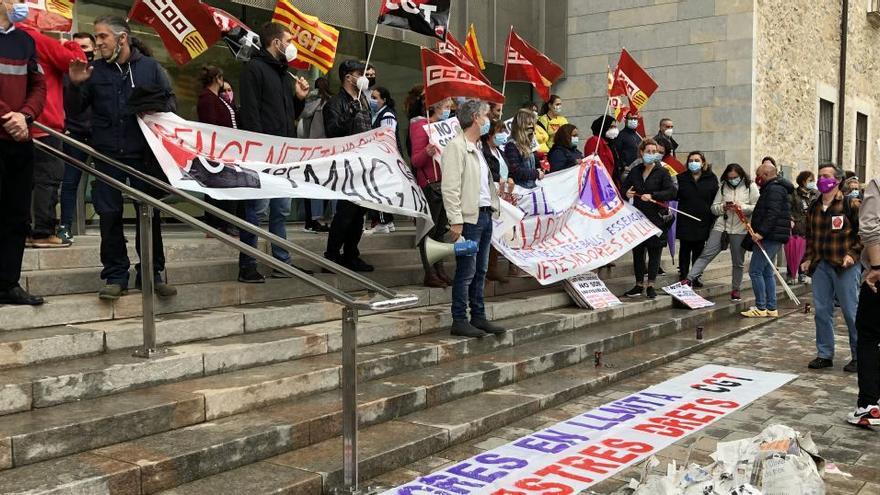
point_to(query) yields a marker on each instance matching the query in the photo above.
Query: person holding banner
(425, 157)
(470, 202)
(519, 150)
(551, 118)
(492, 147)
(565, 153)
(647, 184)
(384, 115)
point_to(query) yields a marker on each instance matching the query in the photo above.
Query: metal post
(79, 224)
(349, 402)
(145, 228)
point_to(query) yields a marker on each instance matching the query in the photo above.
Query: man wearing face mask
(108, 85)
(22, 100)
(831, 260)
(627, 144)
(664, 136)
(77, 125)
(346, 114)
(270, 102)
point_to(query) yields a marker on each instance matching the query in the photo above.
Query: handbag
(748, 244)
(725, 241)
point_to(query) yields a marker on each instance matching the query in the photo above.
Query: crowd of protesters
(826, 225)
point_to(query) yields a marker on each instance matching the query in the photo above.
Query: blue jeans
(70, 184)
(828, 285)
(470, 271)
(762, 275)
(279, 210)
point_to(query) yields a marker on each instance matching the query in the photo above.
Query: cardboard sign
(441, 132)
(582, 451)
(686, 295)
(590, 292)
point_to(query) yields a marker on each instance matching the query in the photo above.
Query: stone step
(463, 371)
(181, 248)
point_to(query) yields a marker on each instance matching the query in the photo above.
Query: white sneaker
(865, 416)
(378, 229)
(391, 227)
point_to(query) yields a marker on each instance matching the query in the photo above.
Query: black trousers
(48, 174)
(688, 253)
(434, 198)
(109, 205)
(345, 232)
(16, 184)
(867, 350)
(653, 252)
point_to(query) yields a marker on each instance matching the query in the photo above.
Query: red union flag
(616, 95)
(444, 79)
(526, 64)
(50, 15)
(453, 50)
(630, 79)
(186, 27)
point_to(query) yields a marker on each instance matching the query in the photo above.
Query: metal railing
(387, 299)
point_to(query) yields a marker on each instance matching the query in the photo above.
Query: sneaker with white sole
(378, 229)
(771, 313)
(865, 416)
(754, 312)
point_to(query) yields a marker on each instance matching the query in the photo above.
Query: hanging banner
(427, 17)
(686, 295)
(225, 163)
(574, 222)
(575, 454)
(590, 292)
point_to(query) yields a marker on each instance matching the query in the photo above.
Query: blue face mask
(650, 158)
(854, 193)
(485, 127)
(734, 182)
(445, 115)
(18, 13)
(695, 166)
(812, 186)
(575, 140)
(632, 124)
(500, 139)
(374, 106)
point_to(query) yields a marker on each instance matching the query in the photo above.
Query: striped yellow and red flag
(315, 40)
(472, 46)
(51, 15)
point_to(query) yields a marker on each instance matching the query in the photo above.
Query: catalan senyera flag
(453, 50)
(630, 79)
(473, 48)
(315, 40)
(186, 27)
(50, 15)
(524, 63)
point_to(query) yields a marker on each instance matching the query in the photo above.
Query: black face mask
(90, 56)
(372, 81)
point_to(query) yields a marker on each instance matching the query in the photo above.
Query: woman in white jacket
(736, 189)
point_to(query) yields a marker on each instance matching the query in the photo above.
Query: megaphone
(436, 251)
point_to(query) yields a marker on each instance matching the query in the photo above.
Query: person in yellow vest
(551, 120)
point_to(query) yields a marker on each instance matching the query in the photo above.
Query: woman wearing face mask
(697, 187)
(425, 163)
(736, 190)
(801, 199)
(604, 133)
(493, 144)
(521, 159)
(649, 182)
(565, 153)
(384, 115)
(215, 107)
(551, 118)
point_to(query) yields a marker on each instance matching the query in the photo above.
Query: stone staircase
(247, 399)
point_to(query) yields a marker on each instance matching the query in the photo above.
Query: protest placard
(577, 453)
(685, 294)
(590, 292)
(441, 132)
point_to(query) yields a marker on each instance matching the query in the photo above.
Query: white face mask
(363, 84)
(290, 52)
(557, 109)
(668, 132)
(612, 133)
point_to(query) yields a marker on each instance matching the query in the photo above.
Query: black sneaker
(359, 265)
(463, 328)
(651, 293)
(852, 367)
(487, 326)
(697, 284)
(250, 275)
(111, 292)
(820, 363)
(17, 295)
(635, 291)
(65, 234)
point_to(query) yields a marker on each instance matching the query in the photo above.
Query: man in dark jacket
(346, 114)
(664, 136)
(627, 144)
(116, 133)
(271, 101)
(771, 222)
(21, 101)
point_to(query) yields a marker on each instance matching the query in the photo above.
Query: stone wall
(698, 51)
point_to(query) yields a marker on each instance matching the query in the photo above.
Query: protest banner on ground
(685, 294)
(590, 292)
(225, 163)
(580, 452)
(574, 222)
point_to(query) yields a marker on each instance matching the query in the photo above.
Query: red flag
(186, 27)
(673, 162)
(445, 79)
(453, 50)
(225, 21)
(526, 64)
(616, 103)
(631, 80)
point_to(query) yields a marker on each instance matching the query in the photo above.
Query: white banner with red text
(586, 449)
(231, 164)
(574, 222)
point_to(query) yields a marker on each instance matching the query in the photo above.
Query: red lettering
(535, 485)
(661, 430)
(608, 454)
(588, 464)
(557, 470)
(637, 447)
(727, 404)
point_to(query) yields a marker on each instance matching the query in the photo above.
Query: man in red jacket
(54, 57)
(21, 101)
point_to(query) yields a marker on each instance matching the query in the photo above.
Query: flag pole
(504, 79)
(604, 117)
